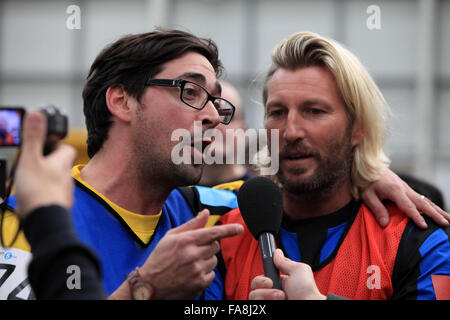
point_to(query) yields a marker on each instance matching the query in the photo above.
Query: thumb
(284, 265)
(196, 223)
(33, 134)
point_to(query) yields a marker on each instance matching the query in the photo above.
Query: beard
(184, 174)
(154, 165)
(153, 159)
(333, 167)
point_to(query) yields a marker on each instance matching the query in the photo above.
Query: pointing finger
(208, 235)
(196, 223)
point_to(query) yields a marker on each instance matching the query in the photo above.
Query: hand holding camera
(37, 162)
(11, 119)
(37, 169)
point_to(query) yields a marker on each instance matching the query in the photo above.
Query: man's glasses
(197, 97)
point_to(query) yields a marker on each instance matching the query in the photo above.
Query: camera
(11, 119)
(57, 124)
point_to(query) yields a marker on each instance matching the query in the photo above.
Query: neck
(113, 175)
(318, 203)
(219, 173)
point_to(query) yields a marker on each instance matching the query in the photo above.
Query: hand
(42, 181)
(298, 282)
(182, 264)
(391, 187)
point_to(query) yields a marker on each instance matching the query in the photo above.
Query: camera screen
(10, 126)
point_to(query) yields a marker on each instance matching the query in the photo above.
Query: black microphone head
(261, 205)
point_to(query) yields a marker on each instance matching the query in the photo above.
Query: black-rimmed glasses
(195, 96)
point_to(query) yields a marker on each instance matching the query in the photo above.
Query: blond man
(331, 119)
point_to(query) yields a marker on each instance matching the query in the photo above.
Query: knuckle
(197, 269)
(191, 257)
(215, 233)
(182, 241)
(170, 232)
(306, 267)
(207, 279)
(367, 192)
(215, 247)
(213, 262)
(392, 187)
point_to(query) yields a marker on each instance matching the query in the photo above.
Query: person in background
(220, 173)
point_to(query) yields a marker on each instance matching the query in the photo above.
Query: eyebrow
(306, 103)
(274, 103)
(201, 80)
(313, 102)
(194, 76)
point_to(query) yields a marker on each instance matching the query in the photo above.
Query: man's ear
(357, 134)
(119, 102)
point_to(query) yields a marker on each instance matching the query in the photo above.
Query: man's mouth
(201, 145)
(198, 150)
(296, 156)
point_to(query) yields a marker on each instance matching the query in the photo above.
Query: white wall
(42, 61)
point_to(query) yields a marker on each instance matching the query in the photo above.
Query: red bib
(362, 268)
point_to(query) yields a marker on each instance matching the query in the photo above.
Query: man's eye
(276, 112)
(316, 111)
(190, 92)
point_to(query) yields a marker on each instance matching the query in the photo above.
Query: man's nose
(295, 127)
(209, 116)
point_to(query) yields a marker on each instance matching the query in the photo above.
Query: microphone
(261, 206)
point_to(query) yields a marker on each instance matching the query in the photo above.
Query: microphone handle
(267, 245)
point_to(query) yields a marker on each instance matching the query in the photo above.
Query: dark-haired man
(139, 90)
(130, 205)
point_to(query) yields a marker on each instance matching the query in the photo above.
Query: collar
(342, 215)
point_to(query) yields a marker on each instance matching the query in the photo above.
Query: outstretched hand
(391, 187)
(182, 264)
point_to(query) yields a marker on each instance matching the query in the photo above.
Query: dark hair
(130, 62)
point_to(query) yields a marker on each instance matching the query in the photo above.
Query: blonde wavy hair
(364, 102)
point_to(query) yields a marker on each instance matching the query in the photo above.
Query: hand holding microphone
(297, 280)
(261, 206)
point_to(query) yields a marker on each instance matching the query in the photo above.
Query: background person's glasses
(197, 97)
